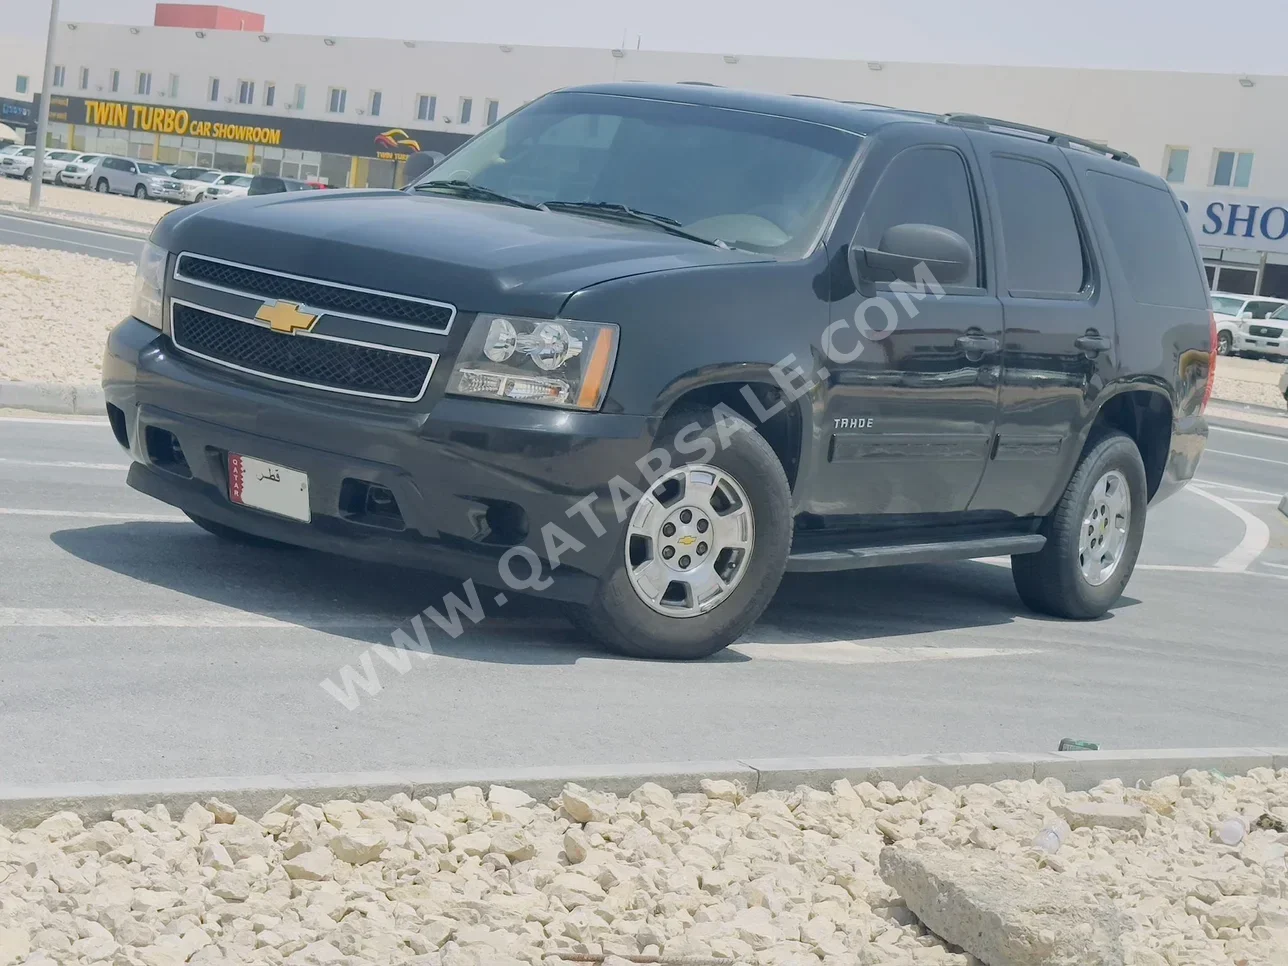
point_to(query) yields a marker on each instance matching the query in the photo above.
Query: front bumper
(1244, 342)
(472, 479)
(76, 179)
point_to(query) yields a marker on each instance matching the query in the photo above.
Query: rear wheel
(102, 187)
(1093, 535)
(702, 553)
(231, 534)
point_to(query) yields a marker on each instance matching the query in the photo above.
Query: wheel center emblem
(687, 540)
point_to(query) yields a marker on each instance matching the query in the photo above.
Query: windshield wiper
(614, 210)
(467, 189)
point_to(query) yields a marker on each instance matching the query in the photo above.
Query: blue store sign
(1225, 220)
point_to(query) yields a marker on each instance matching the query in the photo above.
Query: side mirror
(1245, 314)
(946, 254)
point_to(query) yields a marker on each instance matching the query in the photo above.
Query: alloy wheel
(1106, 521)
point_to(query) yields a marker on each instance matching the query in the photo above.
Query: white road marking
(232, 618)
(1256, 535)
(65, 241)
(61, 226)
(1245, 456)
(91, 515)
(1279, 566)
(1232, 486)
(65, 465)
(54, 420)
(1210, 570)
(852, 652)
(1246, 432)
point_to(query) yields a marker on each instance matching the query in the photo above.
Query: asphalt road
(19, 230)
(134, 645)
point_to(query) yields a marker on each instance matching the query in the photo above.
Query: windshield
(146, 168)
(236, 180)
(749, 180)
(1226, 305)
(62, 155)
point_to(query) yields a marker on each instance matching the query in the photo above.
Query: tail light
(1211, 375)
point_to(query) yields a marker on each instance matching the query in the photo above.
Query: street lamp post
(42, 116)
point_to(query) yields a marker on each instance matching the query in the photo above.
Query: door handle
(1092, 343)
(976, 345)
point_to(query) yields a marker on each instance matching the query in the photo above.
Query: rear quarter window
(1151, 242)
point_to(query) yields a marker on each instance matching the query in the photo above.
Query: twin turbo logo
(285, 317)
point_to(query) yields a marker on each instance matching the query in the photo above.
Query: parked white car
(1244, 324)
(193, 184)
(18, 163)
(55, 162)
(229, 186)
(76, 173)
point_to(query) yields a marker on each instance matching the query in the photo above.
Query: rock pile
(854, 875)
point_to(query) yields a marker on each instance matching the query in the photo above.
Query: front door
(912, 385)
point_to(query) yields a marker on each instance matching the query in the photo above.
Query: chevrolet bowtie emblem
(687, 540)
(285, 317)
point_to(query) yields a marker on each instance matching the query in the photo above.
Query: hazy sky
(1159, 34)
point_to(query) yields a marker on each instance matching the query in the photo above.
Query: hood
(479, 256)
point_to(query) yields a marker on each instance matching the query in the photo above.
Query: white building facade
(1215, 137)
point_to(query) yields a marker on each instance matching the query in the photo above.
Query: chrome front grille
(303, 359)
(385, 308)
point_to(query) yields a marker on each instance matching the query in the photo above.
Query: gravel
(55, 311)
(86, 206)
(493, 878)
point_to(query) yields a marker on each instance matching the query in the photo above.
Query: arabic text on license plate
(267, 486)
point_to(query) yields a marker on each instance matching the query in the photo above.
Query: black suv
(644, 348)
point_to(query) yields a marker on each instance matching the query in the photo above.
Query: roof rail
(699, 84)
(998, 126)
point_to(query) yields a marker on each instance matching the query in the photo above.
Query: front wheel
(1093, 535)
(1224, 344)
(702, 552)
(26, 175)
(140, 192)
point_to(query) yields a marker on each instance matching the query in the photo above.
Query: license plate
(268, 486)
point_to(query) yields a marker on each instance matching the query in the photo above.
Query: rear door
(909, 412)
(1060, 336)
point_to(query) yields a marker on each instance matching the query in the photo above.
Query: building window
(114, 80)
(336, 97)
(143, 82)
(213, 90)
(467, 109)
(174, 85)
(60, 76)
(492, 108)
(21, 85)
(83, 82)
(299, 97)
(1232, 169)
(374, 104)
(245, 92)
(426, 107)
(1177, 161)
(270, 93)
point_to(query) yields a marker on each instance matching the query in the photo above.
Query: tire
(1224, 344)
(58, 179)
(140, 192)
(102, 187)
(1052, 581)
(231, 534)
(26, 175)
(619, 616)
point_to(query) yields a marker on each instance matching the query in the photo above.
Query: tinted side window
(1151, 240)
(1044, 254)
(923, 186)
(1261, 310)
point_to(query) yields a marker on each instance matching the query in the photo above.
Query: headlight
(146, 306)
(543, 361)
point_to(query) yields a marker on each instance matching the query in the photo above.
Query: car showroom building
(350, 110)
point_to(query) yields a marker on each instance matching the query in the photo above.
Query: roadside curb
(51, 397)
(18, 212)
(25, 805)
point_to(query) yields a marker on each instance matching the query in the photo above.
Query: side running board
(937, 552)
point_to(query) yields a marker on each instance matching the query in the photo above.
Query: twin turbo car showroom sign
(333, 137)
(1234, 220)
